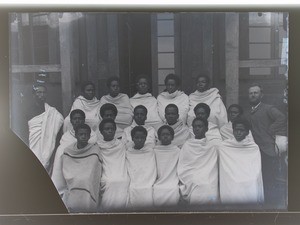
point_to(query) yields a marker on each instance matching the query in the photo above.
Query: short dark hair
(165, 127)
(204, 106)
(172, 106)
(86, 83)
(105, 121)
(205, 75)
(83, 126)
(236, 106)
(256, 85)
(138, 129)
(241, 120)
(140, 76)
(140, 107)
(111, 79)
(77, 111)
(172, 76)
(108, 106)
(202, 120)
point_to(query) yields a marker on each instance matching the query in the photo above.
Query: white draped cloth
(66, 140)
(212, 135)
(178, 98)
(114, 180)
(211, 97)
(181, 133)
(43, 130)
(226, 132)
(150, 102)
(142, 172)
(166, 187)
(125, 111)
(240, 172)
(198, 172)
(82, 172)
(91, 109)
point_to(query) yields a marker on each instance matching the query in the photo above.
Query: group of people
(121, 153)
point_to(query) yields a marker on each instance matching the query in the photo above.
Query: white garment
(226, 132)
(213, 135)
(181, 133)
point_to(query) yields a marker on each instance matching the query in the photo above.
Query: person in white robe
(77, 118)
(141, 164)
(120, 100)
(166, 187)
(240, 167)
(198, 168)
(114, 180)
(172, 95)
(44, 126)
(139, 117)
(89, 104)
(145, 98)
(211, 97)
(181, 131)
(81, 167)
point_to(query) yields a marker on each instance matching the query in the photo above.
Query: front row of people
(97, 172)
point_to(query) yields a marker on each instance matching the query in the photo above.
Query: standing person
(89, 104)
(44, 123)
(269, 132)
(143, 97)
(211, 97)
(172, 95)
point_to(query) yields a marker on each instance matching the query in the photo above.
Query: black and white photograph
(154, 111)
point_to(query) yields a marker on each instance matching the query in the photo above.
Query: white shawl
(213, 135)
(181, 133)
(227, 132)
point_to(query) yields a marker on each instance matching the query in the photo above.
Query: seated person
(143, 97)
(198, 167)
(234, 111)
(172, 95)
(213, 135)
(120, 100)
(77, 118)
(140, 160)
(181, 131)
(82, 168)
(114, 180)
(240, 167)
(89, 104)
(211, 97)
(139, 117)
(166, 186)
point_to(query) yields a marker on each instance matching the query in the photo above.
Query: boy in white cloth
(166, 187)
(181, 131)
(82, 169)
(89, 104)
(139, 116)
(198, 167)
(77, 118)
(211, 97)
(140, 160)
(114, 180)
(240, 167)
(172, 95)
(143, 97)
(44, 124)
(120, 100)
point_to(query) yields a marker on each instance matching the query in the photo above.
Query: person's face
(109, 114)
(82, 135)
(139, 139)
(171, 115)
(114, 88)
(165, 137)
(233, 113)
(40, 93)
(171, 86)
(201, 113)
(142, 86)
(240, 132)
(108, 131)
(255, 95)
(77, 119)
(139, 116)
(89, 92)
(202, 84)
(199, 129)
